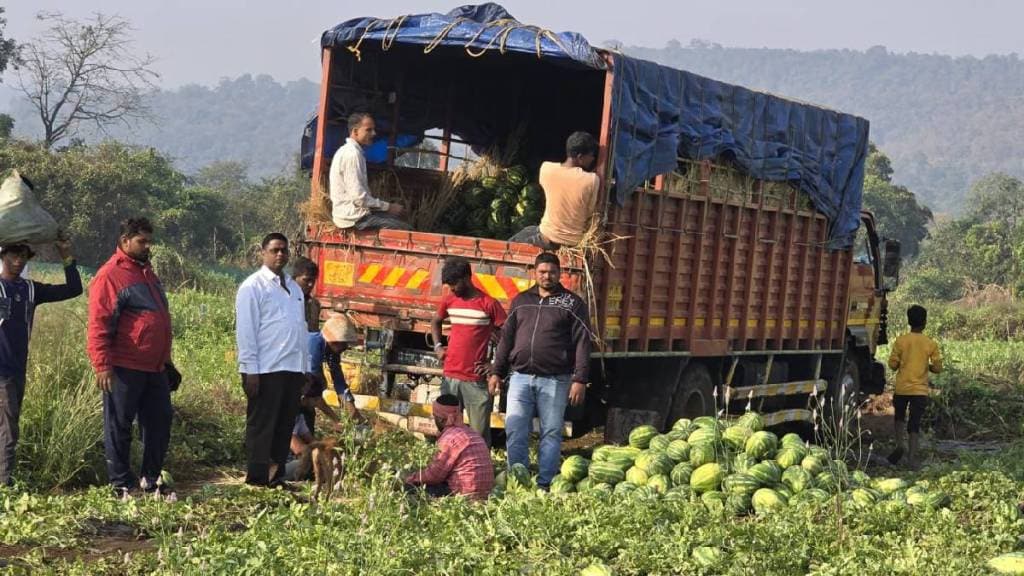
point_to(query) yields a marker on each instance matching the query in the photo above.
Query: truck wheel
(694, 394)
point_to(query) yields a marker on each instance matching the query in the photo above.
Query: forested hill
(943, 121)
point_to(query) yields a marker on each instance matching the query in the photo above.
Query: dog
(328, 464)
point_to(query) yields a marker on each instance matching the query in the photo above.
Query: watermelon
(659, 483)
(736, 436)
(637, 476)
(927, 499)
(889, 485)
(706, 422)
(584, 485)
(792, 439)
(659, 443)
(701, 454)
(820, 453)
(620, 461)
(706, 478)
(761, 445)
(751, 420)
(738, 504)
(606, 472)
(643, 461)
(840, 470)
(1009, 563)
(516, 176)
(489, 182)
(596, 569)
(678, 494)
(797, 479)
(627, 451)
(684, 424)
(765, 500)
(681, 474)
(674, 435)
(864, 497)
(789, 456)
(660, 464)
(742, 462)
(645, 492)
(501, 480)
(707, 556)
(714, 501)
(625, 487)
(519, 476)
(740, 484)
(575, 468)
(602, 488)
(601, 453)
(767, 472)
(810, 495)
(560, 485)
(678, 450)
(641, 436)
(812, 464)
(783, 490)
(860, 478)
(900, 496)
(826, 481)
(703, 436)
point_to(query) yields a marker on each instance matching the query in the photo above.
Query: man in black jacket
(545, 344)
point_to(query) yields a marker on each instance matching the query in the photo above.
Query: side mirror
(891, 262)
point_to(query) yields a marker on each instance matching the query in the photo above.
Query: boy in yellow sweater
(913, 357)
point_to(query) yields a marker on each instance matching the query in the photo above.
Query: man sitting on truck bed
(570, 196)
(353, 206)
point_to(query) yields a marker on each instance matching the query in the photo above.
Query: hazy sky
(202, 41)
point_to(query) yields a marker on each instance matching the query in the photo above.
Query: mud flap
(875, 382)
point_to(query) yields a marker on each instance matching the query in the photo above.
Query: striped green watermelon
(701, 454)
(637, 476)
(864, 497)
(681, 473)
(707, 556)
(819, 452)
(601, 453)
(812, 464)
(606, 472)
(789, 456)
(826, 481)
(1010, 563)
(659, 483)
(684, 424)
(762, 444)
(674, 435)
(706, 422)
(596, 569)
(519, 477)
(736, 436)
(560, 485)
(620, 461)
(766, 500)
(643, 461)
(659, 443)
(602, 488)
(625, 487)
(740, 484)
(627, 451)
(703, 436)
(641, 436)
(792, 439)
(797, 479)
(678, 494)
(584, 485)
(860, 478)
(742, 462)
(811, 495)
(714, 501)
(738, 504)
(678, 450)
(767, 472)
(707, 478)
(783, 490)
(645, 493)
(575, 468)
(660, 464)
(889, 485)
(751, 420)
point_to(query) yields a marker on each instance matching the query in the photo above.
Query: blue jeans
(547, 397)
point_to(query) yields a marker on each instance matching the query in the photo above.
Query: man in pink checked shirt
(462, 465)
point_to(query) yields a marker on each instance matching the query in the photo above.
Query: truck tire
(694, 394)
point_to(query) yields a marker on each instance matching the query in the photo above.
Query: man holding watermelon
(545, 344)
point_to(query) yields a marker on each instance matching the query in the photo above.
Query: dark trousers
(917, 406)
(142, 395)
(269, 419)
(12, 392)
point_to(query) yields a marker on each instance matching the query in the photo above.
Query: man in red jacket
(129, 341)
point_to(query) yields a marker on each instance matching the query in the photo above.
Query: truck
(735, 269)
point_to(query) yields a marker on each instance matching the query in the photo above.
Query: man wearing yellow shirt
(913, 357)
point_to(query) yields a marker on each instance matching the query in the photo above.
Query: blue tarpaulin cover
(661, 114)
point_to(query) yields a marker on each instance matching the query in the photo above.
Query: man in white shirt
(273, 358)
(353, 204)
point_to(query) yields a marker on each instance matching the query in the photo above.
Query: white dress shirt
(350, 190)
(270, 325)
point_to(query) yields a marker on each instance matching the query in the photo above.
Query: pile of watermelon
(495, 206)
(736, 467)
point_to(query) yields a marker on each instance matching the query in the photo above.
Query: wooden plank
(802, 276)
(751, 269)
(603, 169)
(787, 263)
(652, 260)
(698, 268)
(766, 302)
(630, 276)
(818, 277)
(730, 278)
(677, 259)
(716, 265)
(834, 310)
(319, 161)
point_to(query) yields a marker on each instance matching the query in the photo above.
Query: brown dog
(328, 464)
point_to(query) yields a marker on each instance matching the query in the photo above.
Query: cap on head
(23, 249)
(339, 329)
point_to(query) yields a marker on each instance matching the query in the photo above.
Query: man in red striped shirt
(462, 465)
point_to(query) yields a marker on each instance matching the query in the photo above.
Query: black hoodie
(546, 336)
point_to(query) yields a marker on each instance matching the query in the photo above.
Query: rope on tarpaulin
(507, 25)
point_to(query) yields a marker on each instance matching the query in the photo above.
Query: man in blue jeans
(546, 345)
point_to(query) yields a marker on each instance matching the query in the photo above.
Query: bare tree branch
(85, 72)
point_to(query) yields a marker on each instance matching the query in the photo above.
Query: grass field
(51, 522)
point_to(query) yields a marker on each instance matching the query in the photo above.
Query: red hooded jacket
(129, 320)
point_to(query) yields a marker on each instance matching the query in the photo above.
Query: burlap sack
(22, 219)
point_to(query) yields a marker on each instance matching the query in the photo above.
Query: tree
(85, 72)
(9, 49)
(896, 209)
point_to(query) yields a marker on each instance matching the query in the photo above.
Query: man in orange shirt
(913, 357)
(570, 196)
